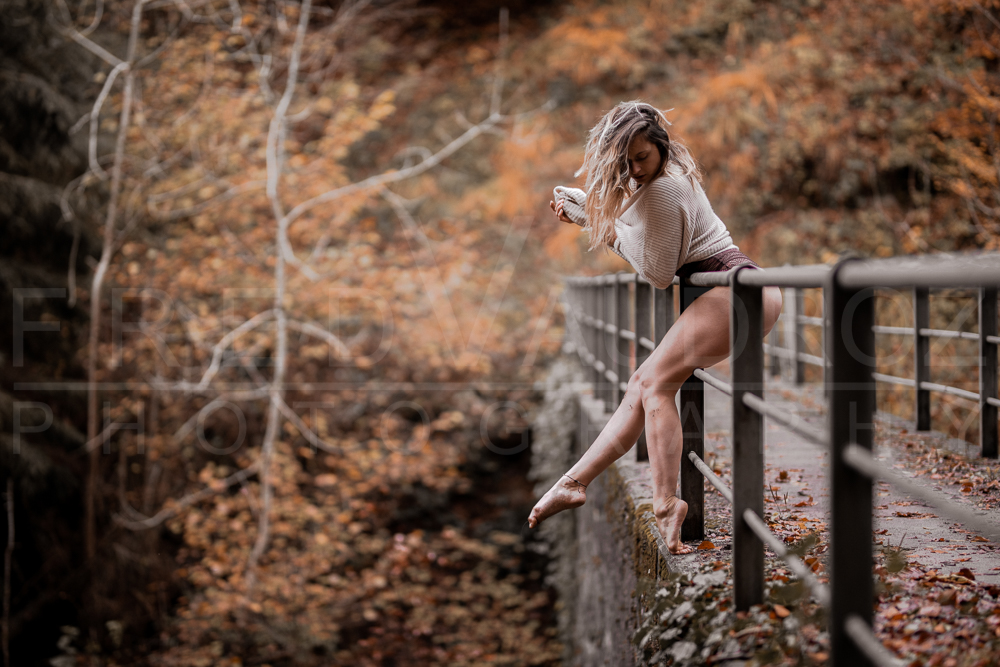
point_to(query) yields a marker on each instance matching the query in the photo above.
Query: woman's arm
(650, 237)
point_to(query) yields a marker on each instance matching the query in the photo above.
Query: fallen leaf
(781, 611)
(930, 610)
(705, 546)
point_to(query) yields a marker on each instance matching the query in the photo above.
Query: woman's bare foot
(565, 494)
(669, 516)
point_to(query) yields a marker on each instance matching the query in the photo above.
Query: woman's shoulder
(671, 186)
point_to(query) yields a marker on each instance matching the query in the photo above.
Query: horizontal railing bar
(868, 643)
(905, 331)
(933, 386)
(646, 343)
(611, 376)
(951, 391)
(788, 420)
(786, 276)
(710, 279)
(795, 564)
(892, 379)
(782, 276)
(862, 460)
(710, 379)
(993, 339)
(926, 271)
(626, 334)
(623, 386)
(779, 351)
(945, 333)
(808, 319)
(710, 475)
(788, 354)
(937, 271)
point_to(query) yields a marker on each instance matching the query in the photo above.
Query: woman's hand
(557, 206)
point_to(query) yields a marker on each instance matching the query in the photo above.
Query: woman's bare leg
(700, 338)
(616, 438)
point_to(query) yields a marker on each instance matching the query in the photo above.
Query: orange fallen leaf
(705, 546)
(781, 611)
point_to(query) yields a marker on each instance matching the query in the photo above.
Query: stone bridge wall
(602, 552)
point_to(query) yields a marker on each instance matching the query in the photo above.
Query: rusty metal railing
(612, 316)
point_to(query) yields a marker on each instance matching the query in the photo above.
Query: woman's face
(643, 159)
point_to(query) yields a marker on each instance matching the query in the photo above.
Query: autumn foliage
(412, 315)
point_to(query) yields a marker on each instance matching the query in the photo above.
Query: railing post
(599, 314)
(921, 357)
(623, 351)
(987, 372)
(607, 342)
(593, 337)
(851, 350)
(824, 334)
(572, 307)
(643, 329)
(746, 338)
(793, 329)
(775, 361)
(692, 407)
(663, 312)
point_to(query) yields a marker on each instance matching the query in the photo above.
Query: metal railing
(600, 312)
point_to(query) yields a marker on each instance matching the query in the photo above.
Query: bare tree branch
(176, 214)
(180, 504)
(307, 432)
(100, 272)
(319, 332)
(274, 135)
(95, 118)
(498, 75)
(91, 46)
(213, 405)
(102, 437)
(395, 176)
(228, 340)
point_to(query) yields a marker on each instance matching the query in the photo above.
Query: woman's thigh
(698, 339)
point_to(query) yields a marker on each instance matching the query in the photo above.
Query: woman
(644, 201)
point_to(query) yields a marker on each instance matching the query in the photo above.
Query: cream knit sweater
(669, 222)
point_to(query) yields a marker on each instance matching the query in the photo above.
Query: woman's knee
(654, 390)
(635, 383)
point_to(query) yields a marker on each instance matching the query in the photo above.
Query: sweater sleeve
(574, 203)
(575, 208)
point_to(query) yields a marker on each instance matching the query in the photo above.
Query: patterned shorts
(722, 261)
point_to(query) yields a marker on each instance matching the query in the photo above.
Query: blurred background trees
(370, 350)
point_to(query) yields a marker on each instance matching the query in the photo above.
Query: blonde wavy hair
(605, 162)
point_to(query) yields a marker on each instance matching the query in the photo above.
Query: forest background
(310, 244)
